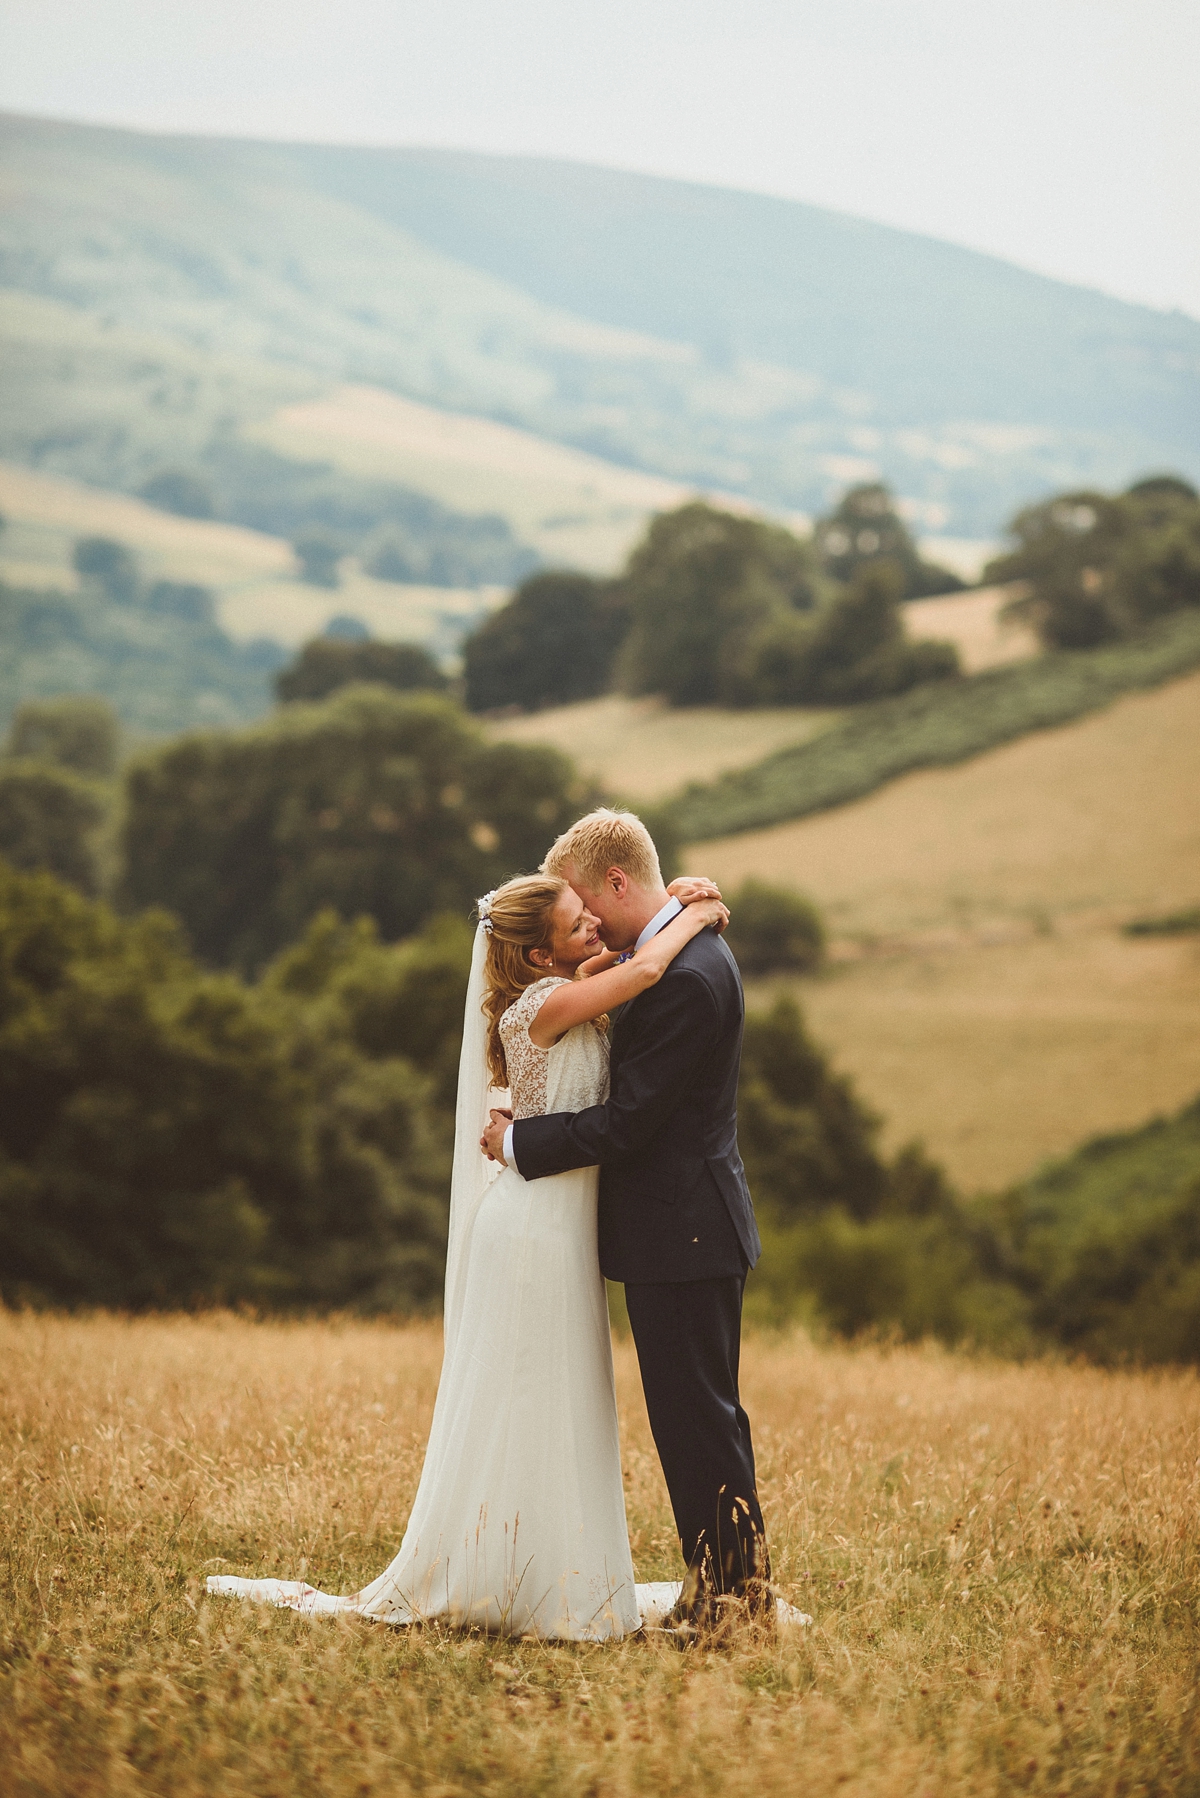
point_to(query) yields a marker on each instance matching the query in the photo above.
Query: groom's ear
(618, 881)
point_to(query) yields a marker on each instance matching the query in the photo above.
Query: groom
(676, 1223)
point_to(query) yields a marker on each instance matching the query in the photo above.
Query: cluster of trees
(1101, 567)
(372, 801)
(172, 1136)
(326, 513)
(718, 609)
(369, 790)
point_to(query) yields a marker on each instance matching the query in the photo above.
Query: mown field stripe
(932, 727)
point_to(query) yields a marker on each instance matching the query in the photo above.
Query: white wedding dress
(518, 1524)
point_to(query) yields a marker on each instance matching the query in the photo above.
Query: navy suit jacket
(674, 1204)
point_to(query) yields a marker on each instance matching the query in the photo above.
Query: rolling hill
(715, 338)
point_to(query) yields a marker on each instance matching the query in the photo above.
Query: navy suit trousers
(688, 1337)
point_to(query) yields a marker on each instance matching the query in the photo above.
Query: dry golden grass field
(983, 996)
(642, 750)
(1001, 1563)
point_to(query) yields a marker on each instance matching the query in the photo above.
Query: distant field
(985, 999)
(1000, 1561)
(1000, 1056)
(258, 595)
(972, 622)
(576, 510)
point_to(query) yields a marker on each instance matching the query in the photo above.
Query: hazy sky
(1064, 134)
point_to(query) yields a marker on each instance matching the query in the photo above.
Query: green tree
(371, 802)
(107, 562)
(552, 643)
(1105, 1243)
(328, 663)
(865, 528)
(703, 587)
(1100, 567)
(774, 930)
(319, 555)
(83, 734)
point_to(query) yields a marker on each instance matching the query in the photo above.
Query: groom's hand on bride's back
(492, 1140)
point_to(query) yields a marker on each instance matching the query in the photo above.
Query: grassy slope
(935, 726)
(643, 750)
(251, 574)
(1076, 1198)
(987, 1000)
(577, 510)
(1001, 1562)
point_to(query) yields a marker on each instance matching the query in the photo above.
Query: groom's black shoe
(710, 1619)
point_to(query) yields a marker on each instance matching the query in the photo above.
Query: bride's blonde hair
(518, 918)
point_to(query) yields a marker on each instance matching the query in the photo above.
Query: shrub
(319, 555)
(1176, 923)
(852, 1240)
(175, 490)
(109, 564)
(328, 663)
(774, 930)
(552, 643)
(854, 650)
(1105, 1243)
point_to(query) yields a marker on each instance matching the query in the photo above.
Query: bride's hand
(710, 911)
(689, 889)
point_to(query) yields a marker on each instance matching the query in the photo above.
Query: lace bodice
(568, 1077)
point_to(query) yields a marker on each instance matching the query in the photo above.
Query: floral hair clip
(484, 908)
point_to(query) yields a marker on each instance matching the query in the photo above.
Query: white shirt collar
(670, 910)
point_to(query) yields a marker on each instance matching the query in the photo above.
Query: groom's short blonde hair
(602, 840)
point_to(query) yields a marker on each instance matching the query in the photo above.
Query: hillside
(982, 993)
(712, 337)
(643, 750)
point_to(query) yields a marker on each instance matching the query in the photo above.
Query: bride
(518, 1524)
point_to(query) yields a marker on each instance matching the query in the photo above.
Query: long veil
(472, 1172)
